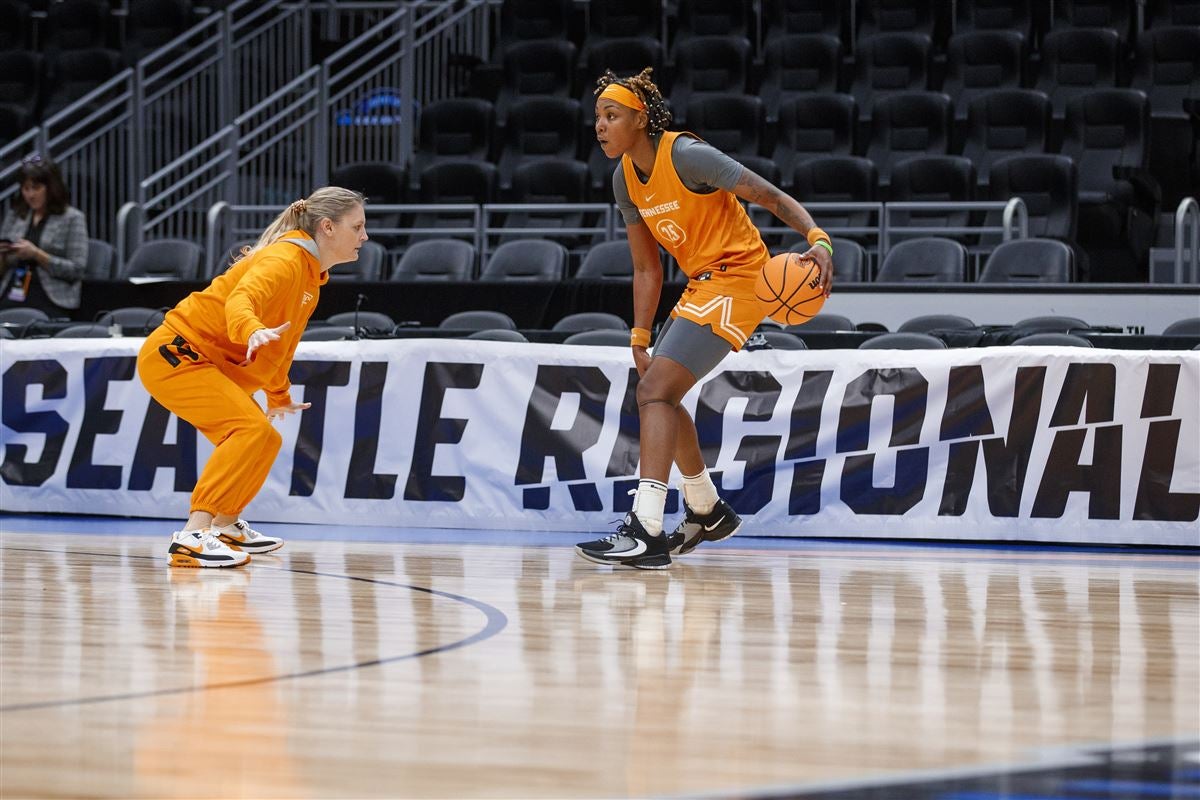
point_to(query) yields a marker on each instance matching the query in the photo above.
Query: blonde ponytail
(332, 202)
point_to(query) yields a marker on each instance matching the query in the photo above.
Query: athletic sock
(699, 492)
(649, 503)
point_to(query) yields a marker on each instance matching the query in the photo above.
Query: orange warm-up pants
(194, 389)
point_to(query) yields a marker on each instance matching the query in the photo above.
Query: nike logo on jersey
(650, 197)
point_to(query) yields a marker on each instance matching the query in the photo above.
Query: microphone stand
(358, 301)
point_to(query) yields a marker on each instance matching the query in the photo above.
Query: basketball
(789, 287)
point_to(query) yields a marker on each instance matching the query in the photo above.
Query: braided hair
(641, 85)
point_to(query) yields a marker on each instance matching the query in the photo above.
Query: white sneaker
(202, 549)
(240, 536)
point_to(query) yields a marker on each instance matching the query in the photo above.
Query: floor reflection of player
(220, 742)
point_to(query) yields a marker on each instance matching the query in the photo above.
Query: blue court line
(496, 621)
(1187, 775)
(1133, 788)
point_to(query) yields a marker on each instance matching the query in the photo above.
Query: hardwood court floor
(456, 670)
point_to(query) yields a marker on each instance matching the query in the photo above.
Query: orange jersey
(704, 232)
(280, 283)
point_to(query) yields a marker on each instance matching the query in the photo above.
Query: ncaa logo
(671, 232)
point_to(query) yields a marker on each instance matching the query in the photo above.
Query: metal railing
(228, 225)
(1187, 222)
(287, 143)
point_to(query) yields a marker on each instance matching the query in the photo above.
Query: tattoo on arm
(754, 189)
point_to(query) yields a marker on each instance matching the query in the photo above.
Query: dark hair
(44, 172)
(641, 85)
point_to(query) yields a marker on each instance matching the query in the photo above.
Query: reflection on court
(360, 669)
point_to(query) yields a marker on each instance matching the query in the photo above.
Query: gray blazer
(65, 238)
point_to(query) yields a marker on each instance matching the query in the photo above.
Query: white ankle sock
(699, 492)
(648, 504)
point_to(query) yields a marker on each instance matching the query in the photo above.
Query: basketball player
(221, 345)
(676, 191)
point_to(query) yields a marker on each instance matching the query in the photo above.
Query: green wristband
(825, 244)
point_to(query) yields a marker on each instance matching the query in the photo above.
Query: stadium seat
(21, 73)
(526, 259)
(978, 62)
(1051, 340)
(165, 258)
(1050, 324)
(368, 267)
(22, 316)
(932, 322)
(457, 128)
(498, 335)
(732, 123)
(785, 17)
(134, 320)
(1106, 128)
(903, 340)
(886, 63)
(478, 321)
(713, 18)
(436, 260)
(369, 322)
(381, 182)
(850, 263)
(1114, 14)
(615, 19)
(609, 261)
(535, 68)
(1048, 184)
(1002, 123)
(548, 181)
(907, 124)
(708, 64)
(782, 340)
(1075, 62)
(811, 126)
(538, 127)
(877, 16)
(84, 330)
(522, 20)
(824, 322)
(1029, 261)
(799, 65)
(932, 179)
(100, 259)
(590, 321)
(837, 179)
(1183, 327)
(978, 15)
(1167, 68)
(327, 333)
(602, 338)
(929, 259)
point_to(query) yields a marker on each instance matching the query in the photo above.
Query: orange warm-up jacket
(280, 283)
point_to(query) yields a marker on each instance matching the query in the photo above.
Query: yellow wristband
(639, 337)
(814, 234)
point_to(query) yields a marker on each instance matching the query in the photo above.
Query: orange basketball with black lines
(789, 287)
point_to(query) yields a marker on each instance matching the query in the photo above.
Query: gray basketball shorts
(694, 346)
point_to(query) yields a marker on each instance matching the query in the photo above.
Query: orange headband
(618, 93)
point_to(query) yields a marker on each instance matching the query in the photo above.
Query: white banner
(1036, 444)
